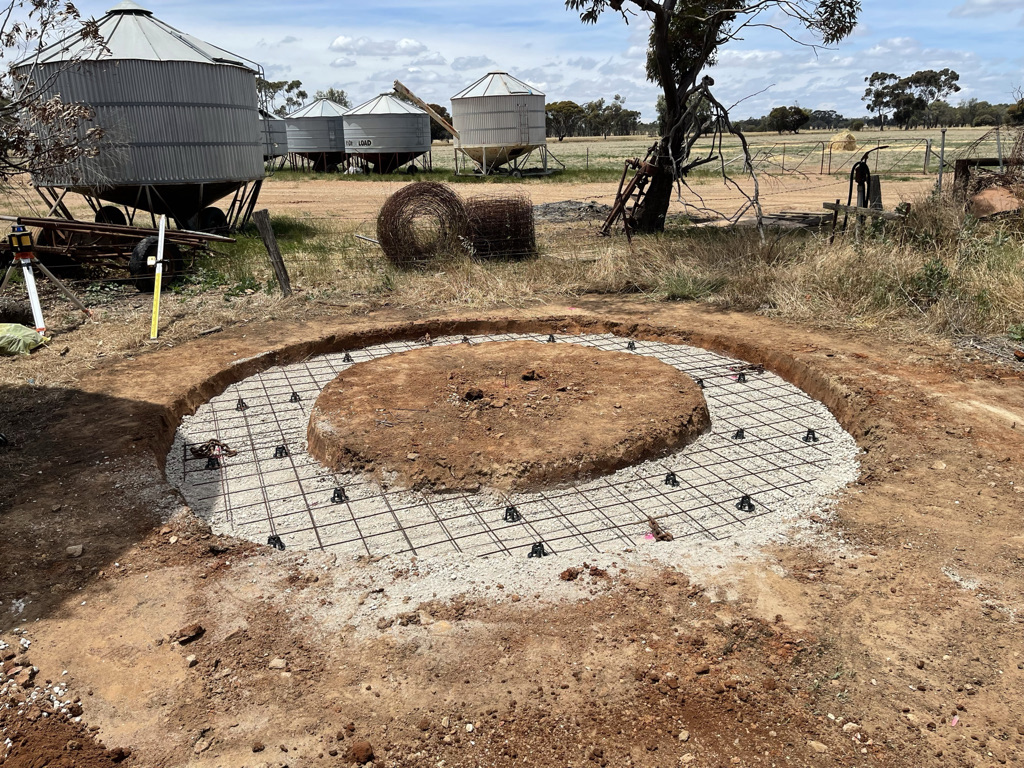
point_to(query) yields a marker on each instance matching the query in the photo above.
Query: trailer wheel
(212, 220)
(110, 214)
(143, 275)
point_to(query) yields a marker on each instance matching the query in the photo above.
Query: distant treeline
(595, 118)
(940, 114)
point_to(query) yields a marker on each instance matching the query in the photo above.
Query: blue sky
(436, 47)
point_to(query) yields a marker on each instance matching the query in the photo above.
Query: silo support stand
(630, 195)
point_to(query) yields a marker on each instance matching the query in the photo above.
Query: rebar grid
(255, 495)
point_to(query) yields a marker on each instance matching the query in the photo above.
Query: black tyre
(143, 275)
(412, 170)
(517, 174)
(110, 214)
(212, 220)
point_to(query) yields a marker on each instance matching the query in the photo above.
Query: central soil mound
(515, 415)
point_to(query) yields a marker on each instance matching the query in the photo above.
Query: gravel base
(255, 496)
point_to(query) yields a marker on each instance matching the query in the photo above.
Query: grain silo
(386, 133)
(178, 117)
(274, 134)
(501, 121)
(317, 133)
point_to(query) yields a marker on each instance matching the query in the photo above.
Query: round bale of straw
(420, 222)
(844, 140)
(502, 227)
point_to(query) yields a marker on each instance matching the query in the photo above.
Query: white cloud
(288, 39)
(366, 46)
(463, 63)
(987, 7)
(344, 61)
(434, 59)
(583, 62)
(539, 75)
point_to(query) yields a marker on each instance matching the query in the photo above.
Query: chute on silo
(500, 122)
(178, 118)
(385, 133)
(316, 134)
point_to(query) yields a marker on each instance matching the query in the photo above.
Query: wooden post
(262, 221)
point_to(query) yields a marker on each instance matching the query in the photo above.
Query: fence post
(262, 221)
(942, 161)
(999, 149)
(927, 154)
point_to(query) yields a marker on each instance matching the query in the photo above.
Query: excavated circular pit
(773, 456)
(511, 416)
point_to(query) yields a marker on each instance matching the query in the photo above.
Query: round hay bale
(421, 221)
(502, 226)
(844, 140)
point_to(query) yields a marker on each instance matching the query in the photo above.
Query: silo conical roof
(497, 84)
(319, 108)
(130, 31)
(385, 104)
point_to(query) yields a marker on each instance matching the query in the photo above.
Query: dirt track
(908, 625)
(360, 200)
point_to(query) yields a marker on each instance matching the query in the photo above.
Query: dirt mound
(994, 200)
(52, 741)
(511, 415)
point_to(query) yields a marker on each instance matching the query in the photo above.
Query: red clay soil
(897, 645)
(517, 415)
(52, 742)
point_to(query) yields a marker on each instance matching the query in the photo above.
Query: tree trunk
(650, 216)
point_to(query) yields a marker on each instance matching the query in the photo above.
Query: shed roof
(130, 31)
(385, 104)
(497, 84)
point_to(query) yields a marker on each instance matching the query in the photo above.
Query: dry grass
(941, 272)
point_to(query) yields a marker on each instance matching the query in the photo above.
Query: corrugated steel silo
(499, 119)
(317, 133)
(386, 132)
(178, 115)
(274, 133)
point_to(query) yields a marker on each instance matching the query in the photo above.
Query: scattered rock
(201, 746)
(277, 664)
(939, 465)
(186, 635)
(75, 550)
(533, 375)
(258, 746)
(191, 660)
(684, 736)
(25, 678)
(473, 395)
(570, 574)
(818, 747)
(850, 727)
(360, 752)
(424, 724)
